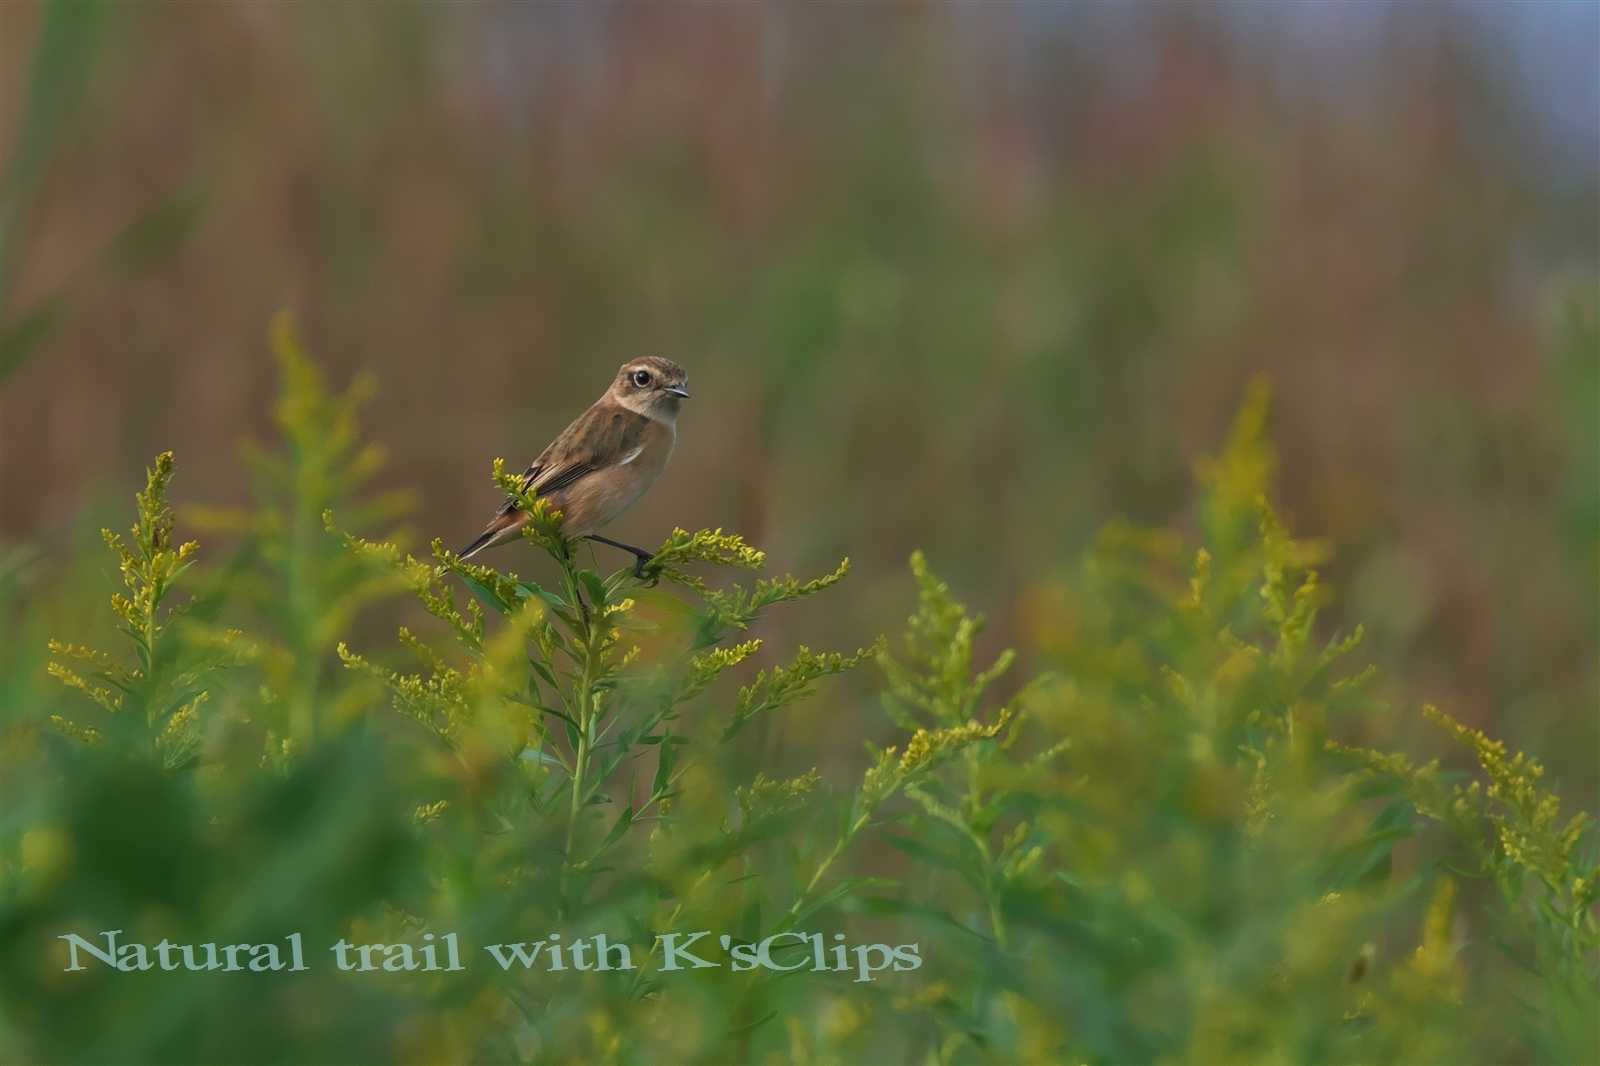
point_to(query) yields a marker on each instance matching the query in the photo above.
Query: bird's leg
(639, 554)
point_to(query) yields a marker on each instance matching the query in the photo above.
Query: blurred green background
(972, 277)
(981, 279)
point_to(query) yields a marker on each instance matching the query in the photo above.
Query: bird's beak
(677, 390)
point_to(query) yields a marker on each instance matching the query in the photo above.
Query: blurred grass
(60, 74)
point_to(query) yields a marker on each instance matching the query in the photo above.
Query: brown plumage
(606, 459)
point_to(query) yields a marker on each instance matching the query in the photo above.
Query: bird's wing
(604, 436)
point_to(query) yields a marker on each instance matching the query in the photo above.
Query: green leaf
(838, 892)
(934, 856)
(544, 758)
(486, 595)
(595, 587)
(550, 598)
(620, 826)
(663, 777)
(900, 907)
(544, 672)
(544, 709)
(763, 1020)
(1369, 859)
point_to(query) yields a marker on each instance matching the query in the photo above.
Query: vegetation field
(1127, 589)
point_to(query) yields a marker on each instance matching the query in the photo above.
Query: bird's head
(652, 386)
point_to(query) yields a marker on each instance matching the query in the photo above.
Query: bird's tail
(483, 541)
(502, 528)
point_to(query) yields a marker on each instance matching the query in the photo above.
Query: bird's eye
(641, 378)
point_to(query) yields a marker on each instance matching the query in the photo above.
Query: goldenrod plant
(579, 815)
(302, 591)
(578, 710)
(152, 703)
(1510, 830)
(1154, 851)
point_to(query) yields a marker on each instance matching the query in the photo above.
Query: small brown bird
(602, 463)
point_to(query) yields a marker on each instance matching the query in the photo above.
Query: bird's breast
(599, 498)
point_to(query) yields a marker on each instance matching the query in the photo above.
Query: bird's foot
(638, 564)
(640, 556)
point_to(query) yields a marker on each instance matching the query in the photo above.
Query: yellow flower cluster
(704, 546)
(167, 697)
(100, 694)
(1514, 822)
(1529, 833)
(928, 745)
(926, 748)
(708, 666)
(767, 796)
(427, 812)
(544, 520)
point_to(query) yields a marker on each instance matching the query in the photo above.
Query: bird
(605, 460)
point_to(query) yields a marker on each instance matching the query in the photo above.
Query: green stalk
(579, 763)
(973, 802)
(585, 708)
(822, 869)
(303, 608)
(151, 629)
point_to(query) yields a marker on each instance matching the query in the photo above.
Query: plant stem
(672, 922)
(974, 801)
(995, 921)
(822, 869)
(303, 610)
(580, 760)
(584, 705)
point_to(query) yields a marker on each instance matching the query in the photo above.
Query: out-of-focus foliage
(56, 87)
(1169, 860)
(58, 82)
(305, 591)
(1166, 846)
